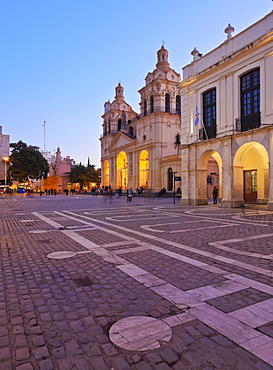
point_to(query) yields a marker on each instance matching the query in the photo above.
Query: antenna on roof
(44, 134)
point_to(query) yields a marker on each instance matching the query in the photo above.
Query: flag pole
(197, 115)
(204, 127)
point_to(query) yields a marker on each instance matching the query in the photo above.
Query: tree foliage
(84, 174)
(27, 163)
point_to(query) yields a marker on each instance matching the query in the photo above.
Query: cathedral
(141, 150)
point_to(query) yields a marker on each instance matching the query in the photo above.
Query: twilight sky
(61, 59)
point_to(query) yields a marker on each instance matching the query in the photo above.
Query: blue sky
(61, 60)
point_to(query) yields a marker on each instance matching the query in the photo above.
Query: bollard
(243, 209)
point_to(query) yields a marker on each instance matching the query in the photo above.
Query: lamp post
(5, 160)
(177, 144)
(174, 187)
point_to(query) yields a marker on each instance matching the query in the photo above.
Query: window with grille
(209, 114)
(250, 100)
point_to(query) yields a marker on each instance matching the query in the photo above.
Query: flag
(196, 121)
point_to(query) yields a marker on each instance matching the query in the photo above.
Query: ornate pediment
(121, 139)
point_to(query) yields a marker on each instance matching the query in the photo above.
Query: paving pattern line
(237, 278)
(118, 218)
(220, 245)
(149, 228)
(86, 243)
(161, 250)
(210, 255)
(259, 344)
(255, 315)
(251, 283)
(230, 327)
(181, 246)
(237, 219)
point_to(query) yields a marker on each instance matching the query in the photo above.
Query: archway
(144, 169)
(106, 173)
(209, 175)
(122, 170)
(250, 166)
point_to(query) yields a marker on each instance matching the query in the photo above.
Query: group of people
(48, 192)
(129, 192)
(54, 192)
(215, 192)
(162, 192)
(72, 191)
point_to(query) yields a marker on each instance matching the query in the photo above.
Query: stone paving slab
(57, 313)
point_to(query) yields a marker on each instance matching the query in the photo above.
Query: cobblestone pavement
(81, 275)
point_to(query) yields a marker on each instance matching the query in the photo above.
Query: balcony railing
(114, 132)
(159, 109)
(109, 132)
(249, 122)
(206, 134)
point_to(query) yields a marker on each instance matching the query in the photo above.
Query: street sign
(177, 178)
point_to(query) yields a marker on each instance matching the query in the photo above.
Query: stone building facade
(59, 173)
(227, 120)
(141, 150)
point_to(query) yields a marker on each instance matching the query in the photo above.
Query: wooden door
(250, 186)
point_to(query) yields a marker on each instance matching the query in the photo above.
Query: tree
(77, 174)
(84, 174)
(27, 163)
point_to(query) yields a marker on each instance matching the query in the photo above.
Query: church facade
(227, 120)
(141, 150)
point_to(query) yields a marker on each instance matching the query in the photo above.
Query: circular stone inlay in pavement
(139, 333)
(61, 255)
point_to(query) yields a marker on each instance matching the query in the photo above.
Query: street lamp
(5, 160)
(174, 179)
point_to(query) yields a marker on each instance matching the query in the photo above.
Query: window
(131, 130)
(152, 103)
(209, 114)
(145, 107)
(178, 104)
(250, 100)
(167, 103)
(119, 124)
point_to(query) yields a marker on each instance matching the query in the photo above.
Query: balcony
(249, 122)
(158, 109)
(209, 133)
(112, 132)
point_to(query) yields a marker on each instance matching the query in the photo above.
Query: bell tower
(162, 58)
(119, 92)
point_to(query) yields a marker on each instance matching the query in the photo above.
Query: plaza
(101, 283)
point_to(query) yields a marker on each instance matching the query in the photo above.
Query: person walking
(215, 195)
(110, 193)
(129, 195)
